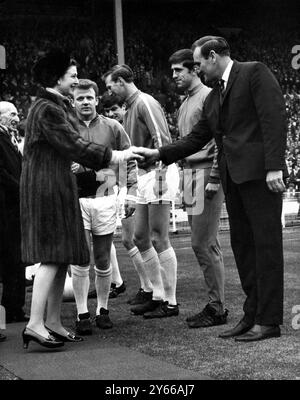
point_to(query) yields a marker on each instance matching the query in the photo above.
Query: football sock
(81, 285)
(168, 264)
(102, 285)
(116, 276)
(139, 266)
(153, 269)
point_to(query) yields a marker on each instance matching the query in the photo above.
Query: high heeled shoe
(50, 342)
(71, 337)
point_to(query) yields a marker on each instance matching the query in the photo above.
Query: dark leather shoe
(207, 317)
(102, 320)
(241, 328)
(70, 337)
(140, 298)
(84, 324)
(266, 332)
(141, 309)
(2, 337)
(115, 291)
(50, 342)
(163, 311)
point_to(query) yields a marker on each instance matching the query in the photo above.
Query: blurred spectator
(267, 34)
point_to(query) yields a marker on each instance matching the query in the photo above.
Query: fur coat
(51, 222)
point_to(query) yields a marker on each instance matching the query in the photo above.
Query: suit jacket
(249, 126)
(10, 171)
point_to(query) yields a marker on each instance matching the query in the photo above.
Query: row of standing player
(156, 297)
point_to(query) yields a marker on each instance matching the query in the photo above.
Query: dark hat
(50, 67)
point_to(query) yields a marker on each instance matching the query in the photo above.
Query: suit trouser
(256, 239)
(13, 270)
(204, 216)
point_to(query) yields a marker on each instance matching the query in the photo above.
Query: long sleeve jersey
(109, 132)
(145, 122)
(189, 114)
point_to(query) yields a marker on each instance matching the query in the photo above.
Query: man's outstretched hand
(147, 156)
(119, 156)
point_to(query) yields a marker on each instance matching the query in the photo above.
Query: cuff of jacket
(274, 166)
(161, 153)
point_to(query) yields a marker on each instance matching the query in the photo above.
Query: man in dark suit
(12, 269)
(245, 113)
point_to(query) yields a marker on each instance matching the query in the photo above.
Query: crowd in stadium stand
(147, 51)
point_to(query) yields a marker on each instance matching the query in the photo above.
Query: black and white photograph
(149, 193)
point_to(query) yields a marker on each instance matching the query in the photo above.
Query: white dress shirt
(226, 73)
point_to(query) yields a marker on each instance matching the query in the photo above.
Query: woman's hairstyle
(52, 66)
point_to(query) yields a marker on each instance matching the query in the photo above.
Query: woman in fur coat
(51, 222)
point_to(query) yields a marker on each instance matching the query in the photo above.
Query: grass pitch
(200, 349)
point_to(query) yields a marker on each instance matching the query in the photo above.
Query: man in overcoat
(13, 270)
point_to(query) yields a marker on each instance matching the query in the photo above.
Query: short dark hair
(86, 84)
(208, 43)
(108, 100)
(184, 57)
(117, 71)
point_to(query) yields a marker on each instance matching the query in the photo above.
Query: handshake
(145, 157)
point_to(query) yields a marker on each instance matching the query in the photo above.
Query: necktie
(221, 90)
(222, 87)
(13, 140)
